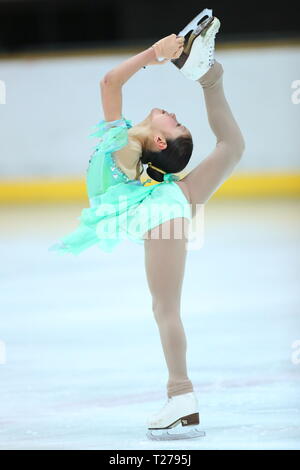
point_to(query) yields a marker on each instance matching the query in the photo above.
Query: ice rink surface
(82, 366)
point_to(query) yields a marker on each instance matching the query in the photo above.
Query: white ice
(82, 364)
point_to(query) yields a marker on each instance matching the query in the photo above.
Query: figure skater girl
(165, 146)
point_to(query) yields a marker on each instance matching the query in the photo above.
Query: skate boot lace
(211, 59)
(163, 408)
(211, 39)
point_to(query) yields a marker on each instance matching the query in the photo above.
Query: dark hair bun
(154, 174)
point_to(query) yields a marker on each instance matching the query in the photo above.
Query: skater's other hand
(168, 48)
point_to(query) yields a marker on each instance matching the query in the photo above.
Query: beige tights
(165, 258)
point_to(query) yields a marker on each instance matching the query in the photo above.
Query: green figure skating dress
(120, 208)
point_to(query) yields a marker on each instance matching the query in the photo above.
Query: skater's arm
(122, 72)
(111, 96)
(111, 84)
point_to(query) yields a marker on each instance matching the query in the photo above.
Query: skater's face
(162, 121)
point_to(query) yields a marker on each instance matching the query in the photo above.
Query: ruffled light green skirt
(125, 211)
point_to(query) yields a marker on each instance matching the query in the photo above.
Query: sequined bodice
(116, 170)
(103, 170)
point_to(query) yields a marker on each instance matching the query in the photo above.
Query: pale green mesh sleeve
(113, 135)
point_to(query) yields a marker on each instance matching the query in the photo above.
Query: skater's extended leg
(165, 263)
(205, 179)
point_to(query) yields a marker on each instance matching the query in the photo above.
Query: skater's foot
(178, 419)
(212, 75)
(201, 55)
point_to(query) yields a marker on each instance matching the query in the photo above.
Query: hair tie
(155, 168)
(168, 177)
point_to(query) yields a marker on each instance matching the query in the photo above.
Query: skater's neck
(138, 135)
(128, 156)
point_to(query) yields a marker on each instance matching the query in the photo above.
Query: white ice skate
(178, 419)
(198, 52)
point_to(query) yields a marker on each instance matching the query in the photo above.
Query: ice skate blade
(195, 66)
(174, 433)
(194, 23)
(192, 59)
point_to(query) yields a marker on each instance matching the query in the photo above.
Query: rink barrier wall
(261, 185)
(115, 50)
(257, 183)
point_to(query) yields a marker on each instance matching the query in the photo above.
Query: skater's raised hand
(170, 47)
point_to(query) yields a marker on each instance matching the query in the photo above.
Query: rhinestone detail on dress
(117, 168)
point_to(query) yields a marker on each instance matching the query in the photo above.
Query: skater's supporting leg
(205, 179)
(165, 262)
